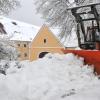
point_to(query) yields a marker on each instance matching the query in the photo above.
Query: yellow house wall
(45, 33)
(36, 51)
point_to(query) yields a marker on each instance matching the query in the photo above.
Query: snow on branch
(7, 49)
(56, 13)
(7, 5)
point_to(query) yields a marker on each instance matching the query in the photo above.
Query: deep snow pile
(55, 77)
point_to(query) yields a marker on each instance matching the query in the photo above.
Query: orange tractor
(88, 34)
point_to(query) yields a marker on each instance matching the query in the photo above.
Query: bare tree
(57, 14)
(6, 51)
(7, 5)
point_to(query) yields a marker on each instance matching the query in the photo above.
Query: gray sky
(27, 13)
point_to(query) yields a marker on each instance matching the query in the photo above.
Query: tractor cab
(88, 25)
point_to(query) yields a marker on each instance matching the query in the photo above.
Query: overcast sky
(27, 13)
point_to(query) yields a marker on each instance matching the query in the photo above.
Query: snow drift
(55, 77)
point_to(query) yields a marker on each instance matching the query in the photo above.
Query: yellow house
(44, 42)
(31, 42)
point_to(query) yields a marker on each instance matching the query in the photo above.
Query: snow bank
(55, 77)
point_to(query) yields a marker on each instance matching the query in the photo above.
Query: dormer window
(14, 23)
(45, 40)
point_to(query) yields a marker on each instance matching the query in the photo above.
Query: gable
(45, 38)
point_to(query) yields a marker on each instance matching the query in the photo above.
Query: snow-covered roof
(21, 31)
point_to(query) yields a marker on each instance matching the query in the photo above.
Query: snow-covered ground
(54, 77)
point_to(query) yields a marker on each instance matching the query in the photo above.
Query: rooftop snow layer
(19, 30)
(26, 32)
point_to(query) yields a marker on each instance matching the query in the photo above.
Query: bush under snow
(7, 67)
(55, 77)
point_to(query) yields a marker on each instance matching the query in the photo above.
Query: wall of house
(23, 49)
(35, 52)
(45, 38)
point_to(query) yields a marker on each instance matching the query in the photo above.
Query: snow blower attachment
(88, 25)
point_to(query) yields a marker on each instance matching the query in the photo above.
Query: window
(45, 40)
(14, 23)
(24, 45)
(25, 54)
(19, 55)
(18, 45)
